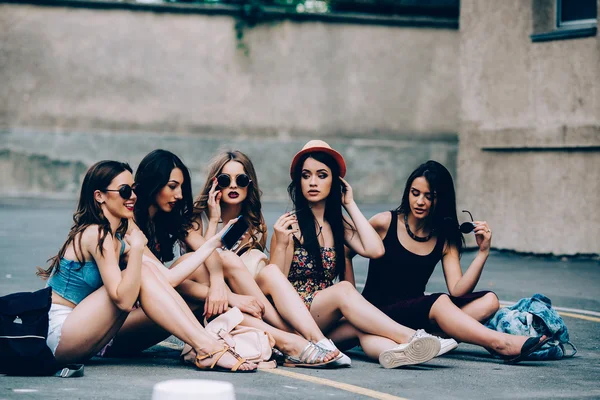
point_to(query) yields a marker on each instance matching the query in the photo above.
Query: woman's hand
(216, 300)
(214, 202)
(247, 304)
(347, 196)
(483, 236)
(284, 228)
(136, 238)
(216, 239)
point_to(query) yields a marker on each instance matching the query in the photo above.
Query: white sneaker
(342, 360)
(417, 351)
(446, 345)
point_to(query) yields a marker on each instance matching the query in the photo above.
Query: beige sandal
(218, 354)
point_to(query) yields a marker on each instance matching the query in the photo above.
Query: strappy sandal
(312, 356)
(532, 344)
(218, 354)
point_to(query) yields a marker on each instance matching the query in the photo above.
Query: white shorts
(56, 318)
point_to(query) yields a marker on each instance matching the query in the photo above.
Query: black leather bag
(23, 333)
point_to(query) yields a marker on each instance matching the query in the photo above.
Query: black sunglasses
(242, 180)
(467, 227)
(125, 191)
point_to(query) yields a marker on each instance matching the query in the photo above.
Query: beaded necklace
(412, 235)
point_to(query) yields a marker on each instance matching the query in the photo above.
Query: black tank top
(399, 274)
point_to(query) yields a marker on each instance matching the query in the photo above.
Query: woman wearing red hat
(308, 246)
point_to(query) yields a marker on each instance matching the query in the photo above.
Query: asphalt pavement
(31, 231)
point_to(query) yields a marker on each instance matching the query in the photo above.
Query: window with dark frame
(572, 13)
(564, 19)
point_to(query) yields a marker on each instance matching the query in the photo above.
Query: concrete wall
(117, 69)
(529, 153)
(79, 85)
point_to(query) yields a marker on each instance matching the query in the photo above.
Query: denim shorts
(56, 318)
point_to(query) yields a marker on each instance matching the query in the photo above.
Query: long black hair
(442, 218)
(98, 177)
(163, 229)
(333, 213)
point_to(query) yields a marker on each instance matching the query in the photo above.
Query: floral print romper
(303, 276)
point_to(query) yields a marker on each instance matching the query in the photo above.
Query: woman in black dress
(422, 231)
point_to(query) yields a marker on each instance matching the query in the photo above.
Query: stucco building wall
(529, 141)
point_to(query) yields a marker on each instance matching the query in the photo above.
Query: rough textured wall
(117, 69)
(79, 85)
(529, 153)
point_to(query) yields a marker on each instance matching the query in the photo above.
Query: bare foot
(514, 345)
(295, 344)
(228, 360)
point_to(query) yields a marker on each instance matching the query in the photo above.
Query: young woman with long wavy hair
(92, 296)
(418, 234)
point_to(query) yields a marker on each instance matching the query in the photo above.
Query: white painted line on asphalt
(338, 385)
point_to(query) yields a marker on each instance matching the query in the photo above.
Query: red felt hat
(319, 146)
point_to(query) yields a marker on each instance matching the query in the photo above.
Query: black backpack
(23, 333)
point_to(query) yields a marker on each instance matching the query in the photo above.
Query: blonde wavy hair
(251, 207)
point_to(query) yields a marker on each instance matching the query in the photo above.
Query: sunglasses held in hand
(467, 227)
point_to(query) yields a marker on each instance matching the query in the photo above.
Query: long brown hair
(164, 229)
(88, 212)
(251, 207)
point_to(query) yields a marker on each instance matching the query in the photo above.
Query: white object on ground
(188, 389)
(446, 345)
(327, 344)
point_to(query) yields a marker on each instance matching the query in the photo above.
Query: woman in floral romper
(308, 246)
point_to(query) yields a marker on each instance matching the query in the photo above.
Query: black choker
(412, 235)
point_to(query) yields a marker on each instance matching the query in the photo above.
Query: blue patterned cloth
(534, 316)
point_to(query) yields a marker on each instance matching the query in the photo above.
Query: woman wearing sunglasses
(93, 294)
(309, 246)
(418, 234)
(232, 190)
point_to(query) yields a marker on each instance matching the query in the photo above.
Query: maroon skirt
(414, 313)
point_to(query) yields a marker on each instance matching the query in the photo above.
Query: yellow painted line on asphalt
(586, 317)
(572, 312)
(338, 385)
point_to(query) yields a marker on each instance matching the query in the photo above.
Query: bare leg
(101, 318)
(347, 336)
(461, 326)
(343, 300)
(139, 332)
(242, 282)
(287, 301)
(482, 308)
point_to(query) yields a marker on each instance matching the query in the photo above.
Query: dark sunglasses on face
(125, 191)
(242, 180)
(467, 227)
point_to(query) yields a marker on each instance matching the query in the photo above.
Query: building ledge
(521, 149)
(267, 12)
(565, 33)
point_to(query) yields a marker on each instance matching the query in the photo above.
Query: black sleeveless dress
(396, 282)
